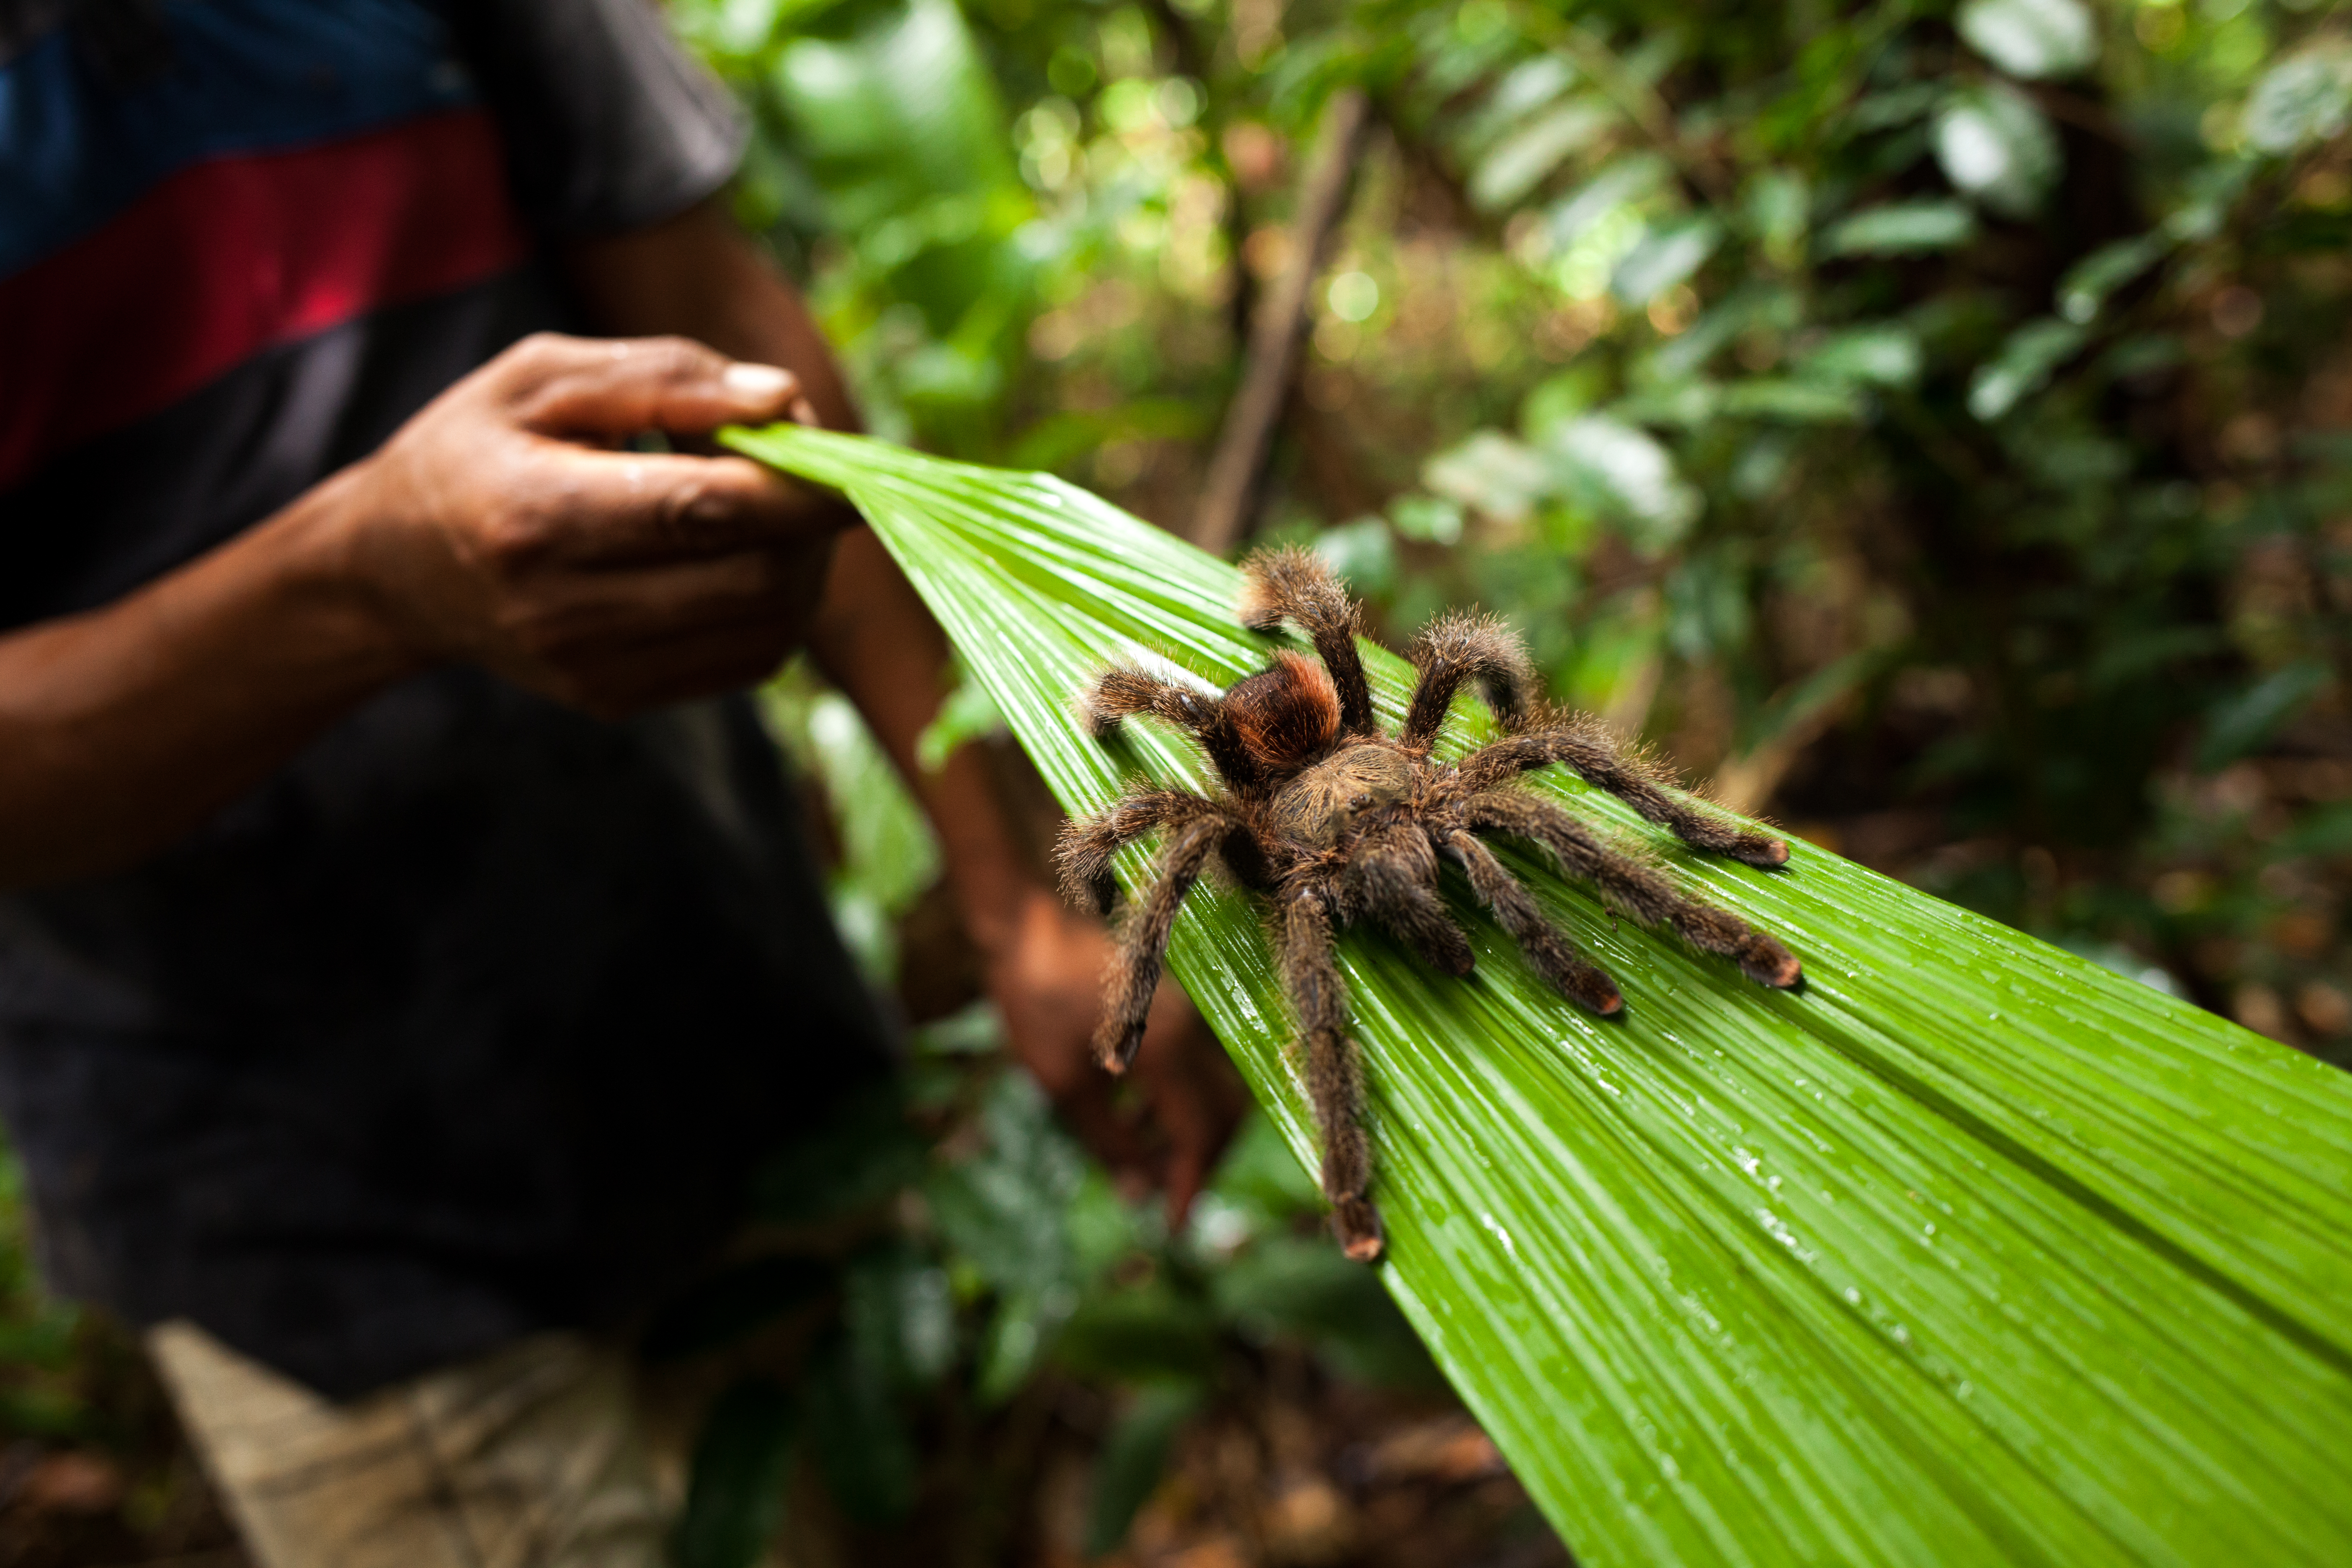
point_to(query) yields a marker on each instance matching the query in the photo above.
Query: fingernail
(764, 382)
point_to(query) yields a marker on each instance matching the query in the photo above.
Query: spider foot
(1766, 961)
(1571, 976)
(1358, 1225)
(1115, 1046)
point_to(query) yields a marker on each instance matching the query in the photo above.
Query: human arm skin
(492, 527)
(699, 275)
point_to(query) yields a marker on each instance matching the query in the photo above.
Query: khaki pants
(531, 1458)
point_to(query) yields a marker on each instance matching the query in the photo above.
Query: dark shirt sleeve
(608, 125)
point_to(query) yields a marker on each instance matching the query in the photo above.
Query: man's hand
(503, 527)
(1046, 978)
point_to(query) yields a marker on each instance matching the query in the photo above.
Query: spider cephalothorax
(1338, 822)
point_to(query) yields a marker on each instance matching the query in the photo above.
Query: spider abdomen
(1319, 805)
(1286, 715)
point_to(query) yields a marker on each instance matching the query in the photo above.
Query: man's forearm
(123, 728)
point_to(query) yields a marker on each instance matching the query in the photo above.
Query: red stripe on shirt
(233, 255)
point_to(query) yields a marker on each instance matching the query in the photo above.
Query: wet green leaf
(1970, 1251)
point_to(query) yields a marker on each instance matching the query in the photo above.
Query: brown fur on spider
(1338, 822)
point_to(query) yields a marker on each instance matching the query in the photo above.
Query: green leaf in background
(2023, 366)
(1666, 255)
(738, 1493)
(1971, 1251)
(1994, 144)
(2303, 96)
(1900, 227)
(1885, 356)
(1521, 160)
(1133, 1458)
(2251, 717)
(2032, 37)
(893, 116)
(864, 1451)
(1307, 1290)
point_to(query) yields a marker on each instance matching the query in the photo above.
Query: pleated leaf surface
(1970, 1251)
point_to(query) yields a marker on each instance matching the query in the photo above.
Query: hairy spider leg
(1552, 954)
(1630, 885)
(1335, 1068)
(1135, 970)
(1120, 692)
(1588, 751)
(1454, 648)
(1087, 845)
(1295, 584)
(1393, 875)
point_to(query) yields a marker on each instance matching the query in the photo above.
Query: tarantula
(1339, 822)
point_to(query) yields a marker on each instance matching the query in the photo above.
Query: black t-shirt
(472, 1018)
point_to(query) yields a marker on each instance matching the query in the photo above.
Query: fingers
(494, 527)
(568, 615)
(612, 509)
(614, 388)
(613, 642)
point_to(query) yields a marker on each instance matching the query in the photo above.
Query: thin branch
(1239, 462)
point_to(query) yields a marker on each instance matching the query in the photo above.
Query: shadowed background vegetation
(1928, 425)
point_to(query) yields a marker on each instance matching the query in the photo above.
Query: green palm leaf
(1970, 1251)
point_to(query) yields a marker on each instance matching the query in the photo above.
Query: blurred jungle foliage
(1929, 424)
